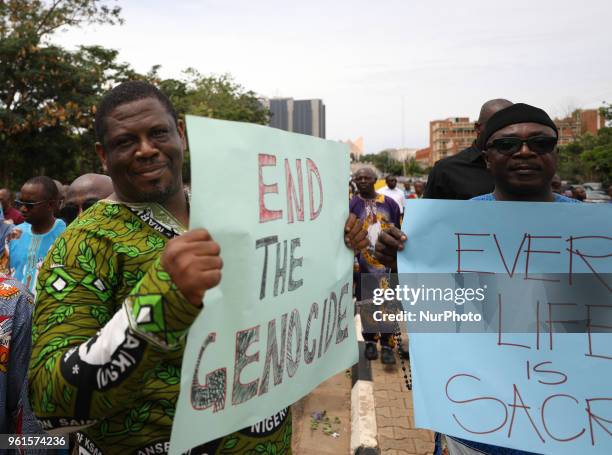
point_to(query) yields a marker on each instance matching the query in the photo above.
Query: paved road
(395, 416)
(396, 435)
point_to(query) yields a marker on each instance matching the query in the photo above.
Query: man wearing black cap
(520, 150)
(520, 144)
(465, 175)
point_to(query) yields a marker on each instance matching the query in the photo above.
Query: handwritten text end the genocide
(307, 332)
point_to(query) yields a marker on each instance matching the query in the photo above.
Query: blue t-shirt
(28, 251)
(491, 197)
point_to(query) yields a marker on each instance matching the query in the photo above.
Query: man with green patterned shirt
(120, 289)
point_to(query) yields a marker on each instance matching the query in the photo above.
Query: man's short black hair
(127, 92)
(49, 186)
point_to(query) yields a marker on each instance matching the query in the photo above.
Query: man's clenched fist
(192, 260)
(355, 236)
(389, 242)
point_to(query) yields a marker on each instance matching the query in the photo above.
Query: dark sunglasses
(511, 145)
(69, 212)
(28, 205)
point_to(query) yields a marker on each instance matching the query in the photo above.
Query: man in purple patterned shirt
(377, 212)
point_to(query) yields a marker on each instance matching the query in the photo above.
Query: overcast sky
(442, 58)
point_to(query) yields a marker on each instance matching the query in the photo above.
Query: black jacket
(461, 176)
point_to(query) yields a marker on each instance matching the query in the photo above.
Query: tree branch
(49, 12)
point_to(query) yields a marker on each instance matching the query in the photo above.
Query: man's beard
(160, 194)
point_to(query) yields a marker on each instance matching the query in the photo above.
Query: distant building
(297, 116)
(281, 111)
(578, 123)
(355, 148)
(449, 136)
(402, 154)
(423, 157)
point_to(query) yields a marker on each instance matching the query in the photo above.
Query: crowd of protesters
(107, 267)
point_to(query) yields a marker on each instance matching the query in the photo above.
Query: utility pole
(403, 123)
(403, 132)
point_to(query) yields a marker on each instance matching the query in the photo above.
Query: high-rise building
(298, 116)
(281, 110)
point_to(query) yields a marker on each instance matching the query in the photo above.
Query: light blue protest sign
(539, 390)
(280, 322)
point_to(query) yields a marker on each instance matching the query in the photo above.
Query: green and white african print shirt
(109, 334)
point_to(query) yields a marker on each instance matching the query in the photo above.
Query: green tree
(384, 162)
(412, 167)
(48, 94)
(389, 165)
(214, 96)
(589, 158)
(598, 158)
(606, 111)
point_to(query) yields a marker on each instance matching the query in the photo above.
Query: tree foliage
(388, 165)
(412, 167)
(38, 19)
(606, 111)
(589, 158)
(214, 96)
(48, 94)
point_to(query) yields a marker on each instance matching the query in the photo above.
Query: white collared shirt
(396, 194)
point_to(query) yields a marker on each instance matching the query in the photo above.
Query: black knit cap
(517, 113)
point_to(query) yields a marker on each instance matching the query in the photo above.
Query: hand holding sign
(193, 262)
(389, 243)
(279, 323)
(355, 236)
